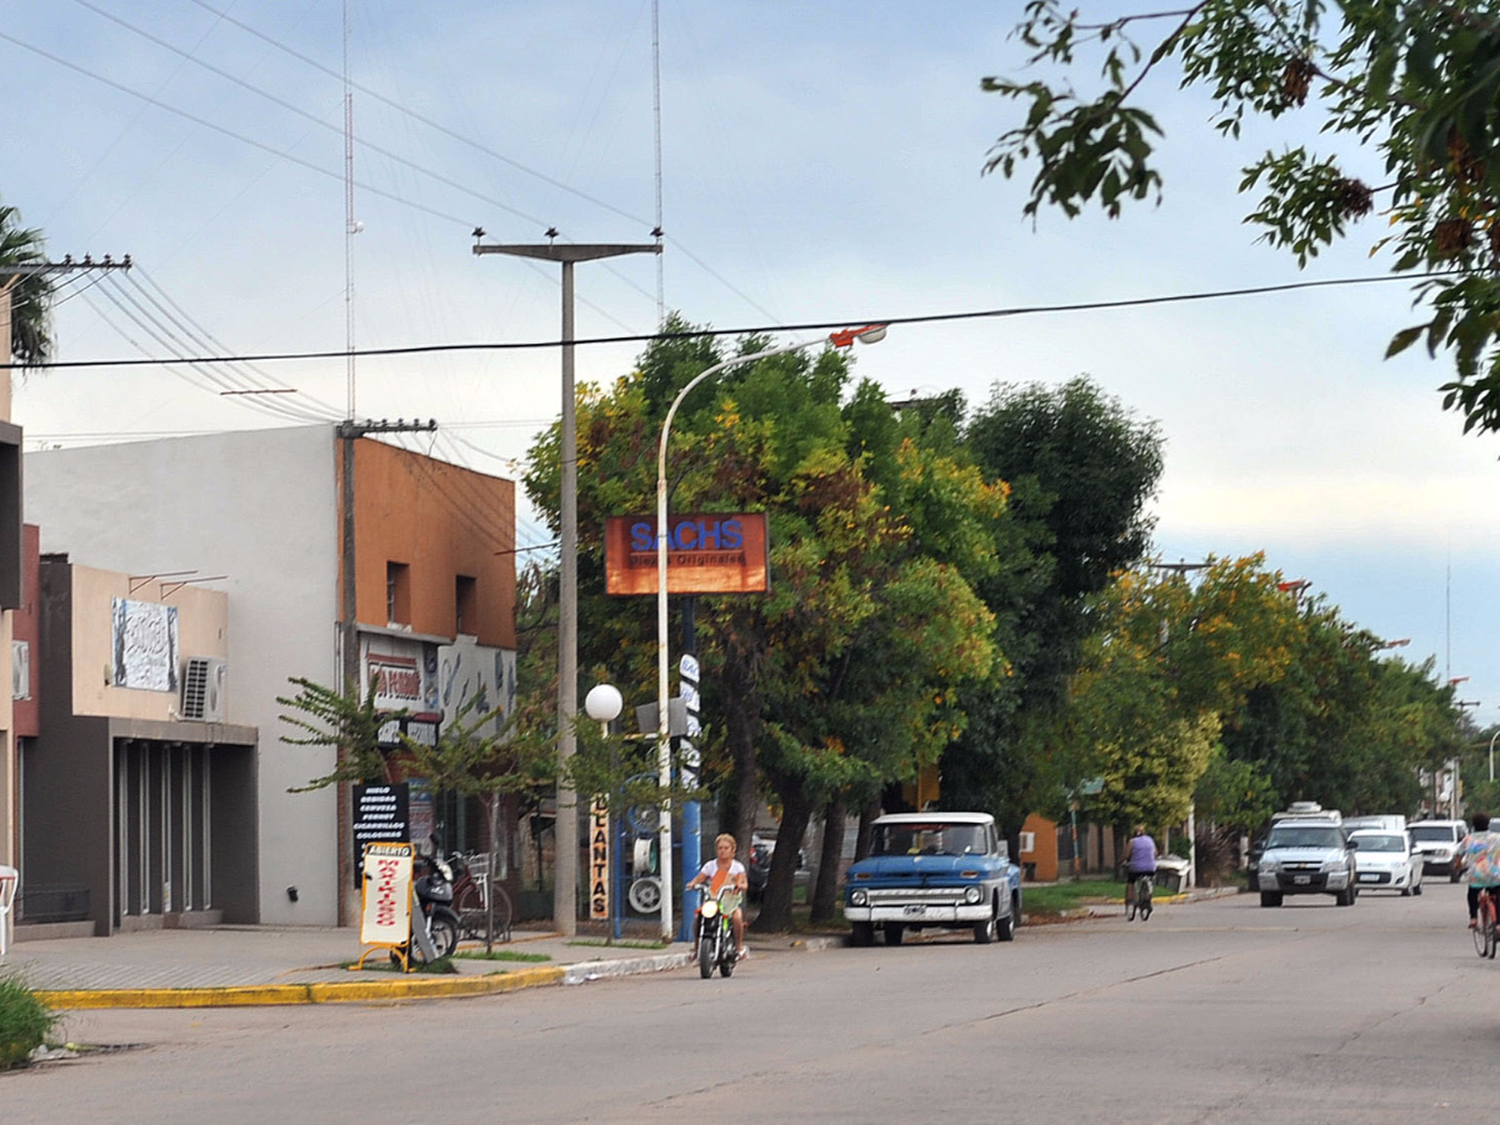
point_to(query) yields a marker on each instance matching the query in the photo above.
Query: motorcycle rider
(724, 870)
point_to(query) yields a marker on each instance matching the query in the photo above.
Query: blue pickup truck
(947, 870)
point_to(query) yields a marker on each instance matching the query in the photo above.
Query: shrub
(24, 1022)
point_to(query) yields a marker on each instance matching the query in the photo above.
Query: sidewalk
(229, 966)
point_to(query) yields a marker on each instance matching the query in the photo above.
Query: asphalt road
(1217, 1011)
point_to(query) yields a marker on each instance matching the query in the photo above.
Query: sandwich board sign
(385, 904)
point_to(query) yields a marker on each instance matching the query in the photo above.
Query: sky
(818, 164)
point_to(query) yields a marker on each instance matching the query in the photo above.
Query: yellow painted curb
(330, 992)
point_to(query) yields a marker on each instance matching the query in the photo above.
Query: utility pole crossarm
(568, 251)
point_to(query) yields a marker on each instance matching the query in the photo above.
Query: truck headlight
(858, 897)
(1337, 863)
(973, 894)
(1269, 866)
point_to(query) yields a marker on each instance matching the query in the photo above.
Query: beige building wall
(203, 630)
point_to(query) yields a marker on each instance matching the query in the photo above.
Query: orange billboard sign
(706, 554)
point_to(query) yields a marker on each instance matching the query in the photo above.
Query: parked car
(1387, 861)
(949, 870)
(1309, 856)
(1437, 840)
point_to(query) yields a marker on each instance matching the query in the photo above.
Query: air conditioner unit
(203, 688)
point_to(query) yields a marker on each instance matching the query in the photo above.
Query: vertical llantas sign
(599, 859)
(144, 637)
(385, 907)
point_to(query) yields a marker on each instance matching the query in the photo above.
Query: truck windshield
(1311, 836)
(1379, 843)
(929, 839)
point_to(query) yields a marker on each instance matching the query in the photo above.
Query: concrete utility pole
(347, 432)
(565, 878)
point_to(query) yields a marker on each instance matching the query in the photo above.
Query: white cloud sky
(820, 163)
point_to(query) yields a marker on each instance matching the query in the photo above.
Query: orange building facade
(434, 546)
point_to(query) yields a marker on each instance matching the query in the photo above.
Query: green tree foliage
(1168, 660)
(1342, 727)
(847, 674)
(30, 294)
(1080, 469)
(320, 716)
(1233, 794)
(1416, 81)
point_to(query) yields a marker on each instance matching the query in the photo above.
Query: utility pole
(565, 825)
(347, 432)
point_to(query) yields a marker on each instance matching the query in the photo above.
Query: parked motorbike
(434, 924)
(715, 936)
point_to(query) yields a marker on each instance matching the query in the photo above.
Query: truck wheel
(864, 933)
(1344, 898)
(1270, 898)
(984, 932)
(893, 933)
(1005, 928)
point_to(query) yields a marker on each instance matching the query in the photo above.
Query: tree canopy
(1081, 469)
(848, 673)
(30, 293)
(1414, 81)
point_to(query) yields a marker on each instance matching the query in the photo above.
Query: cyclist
(1140, 859)
(724, 870)
(1480, 850)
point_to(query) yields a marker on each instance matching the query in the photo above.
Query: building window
(465, 617)
(397, 593)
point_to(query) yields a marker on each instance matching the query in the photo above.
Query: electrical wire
(762, 330)
(431, 124)
(241, 137)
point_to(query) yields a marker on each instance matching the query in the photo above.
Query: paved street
(1216, 1011)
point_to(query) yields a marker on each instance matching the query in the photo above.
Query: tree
(845, 675)
(30, 293)
(1168, 661)
(1079, 469)
(1417, 80)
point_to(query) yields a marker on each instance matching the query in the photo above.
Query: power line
(761, 330)
(431, 124)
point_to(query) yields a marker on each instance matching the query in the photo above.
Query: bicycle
(483, 907)
(1140, 903)
(1484, 932)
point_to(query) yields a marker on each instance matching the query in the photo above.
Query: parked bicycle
(484, 910)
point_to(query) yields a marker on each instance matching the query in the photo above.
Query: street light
(1492, 753)
(869, 334)
(603, 704)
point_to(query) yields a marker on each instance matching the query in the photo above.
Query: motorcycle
(434, 924)
(715, 936)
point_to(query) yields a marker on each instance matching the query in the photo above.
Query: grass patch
(1059, 897)
(620, 944)
(24, 1023)
(501, 955)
